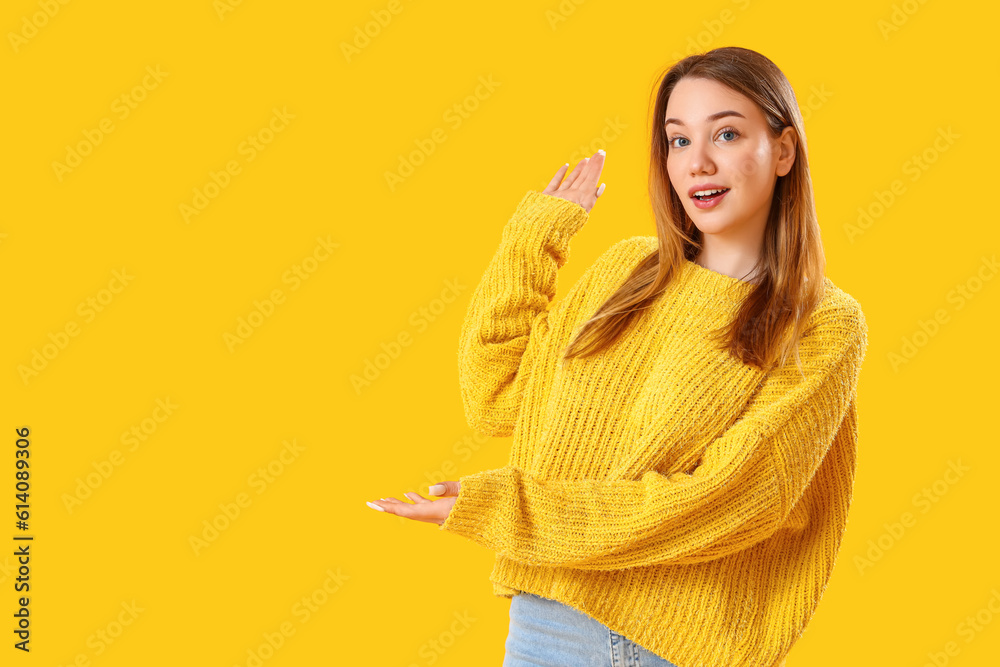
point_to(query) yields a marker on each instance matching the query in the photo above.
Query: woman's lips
(711, 201)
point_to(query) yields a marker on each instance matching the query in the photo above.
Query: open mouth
(709, 195)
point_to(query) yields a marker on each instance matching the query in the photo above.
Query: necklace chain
(697, 261)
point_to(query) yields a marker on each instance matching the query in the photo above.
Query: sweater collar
(713, 284)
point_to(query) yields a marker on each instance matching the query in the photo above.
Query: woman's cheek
(747, 170)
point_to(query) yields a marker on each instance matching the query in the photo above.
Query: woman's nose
(700, 161)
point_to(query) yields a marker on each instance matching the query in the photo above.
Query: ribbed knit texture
(686, 500)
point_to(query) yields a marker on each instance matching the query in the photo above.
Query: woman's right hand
(581, 184)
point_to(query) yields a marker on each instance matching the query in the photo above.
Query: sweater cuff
(477, 499)
(555, 219)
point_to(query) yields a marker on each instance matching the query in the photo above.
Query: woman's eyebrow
(714, 116)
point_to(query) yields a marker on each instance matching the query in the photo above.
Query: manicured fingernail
(436, 490)
(374, 506)
(601, 151)
(600, 190)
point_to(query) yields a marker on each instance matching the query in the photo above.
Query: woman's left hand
(422, 509)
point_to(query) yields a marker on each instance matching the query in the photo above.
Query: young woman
(684, 420)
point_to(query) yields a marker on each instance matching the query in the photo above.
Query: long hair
(771, 319)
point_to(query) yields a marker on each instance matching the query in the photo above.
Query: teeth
(703, 193)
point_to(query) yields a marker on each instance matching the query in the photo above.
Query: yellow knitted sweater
(684, 499)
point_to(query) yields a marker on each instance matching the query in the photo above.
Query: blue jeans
(547, 633)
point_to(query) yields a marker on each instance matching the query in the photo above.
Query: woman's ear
(786, 147)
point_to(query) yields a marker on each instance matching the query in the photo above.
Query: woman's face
(718, 137)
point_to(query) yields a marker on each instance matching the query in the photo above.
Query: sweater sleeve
(746, 484)
(509, 309)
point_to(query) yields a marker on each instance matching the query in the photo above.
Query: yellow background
(401, 592)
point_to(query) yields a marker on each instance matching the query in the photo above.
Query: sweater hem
(510, 578)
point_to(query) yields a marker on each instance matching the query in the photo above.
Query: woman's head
(766, 165)
(717, 137)
(760, 156)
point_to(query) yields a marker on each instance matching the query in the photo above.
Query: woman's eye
(728, 131)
